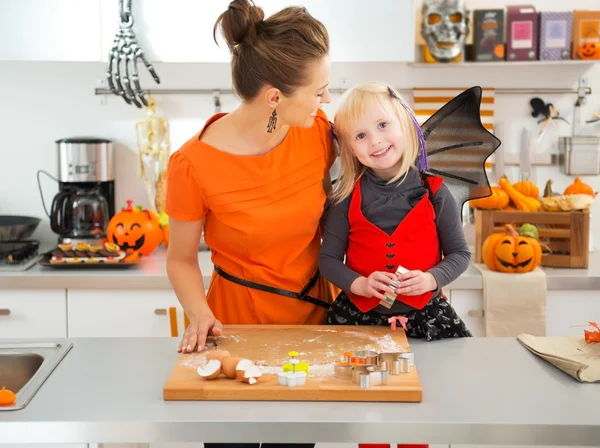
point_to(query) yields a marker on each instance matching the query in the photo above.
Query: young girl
(398, 229)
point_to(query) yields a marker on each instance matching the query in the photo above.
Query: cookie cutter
(293, 377)
(374, 376)
(343, 370)
(396, 362)
(364, 357)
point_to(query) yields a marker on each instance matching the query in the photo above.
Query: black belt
(302, 295)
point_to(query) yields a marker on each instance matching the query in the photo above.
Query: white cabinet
(122, 313)
(50, 30)
(468, 304)
(567, 312)
(359, 30)
(45, 445)
(31, 313)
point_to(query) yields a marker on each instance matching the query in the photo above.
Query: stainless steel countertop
(475, 391)
(151, 274)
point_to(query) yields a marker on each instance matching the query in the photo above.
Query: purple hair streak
(423, 163)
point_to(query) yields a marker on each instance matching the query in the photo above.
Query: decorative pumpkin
(512, 251)
(135, 229)
(7, 397)
(589, 50)
(528, 188)
(548, 189)
(579, 187)
(496, 201)
(521, 202)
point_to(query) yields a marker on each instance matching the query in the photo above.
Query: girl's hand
(415, 283)
(373, 285)
(195, 334)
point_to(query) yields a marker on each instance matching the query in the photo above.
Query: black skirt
(436, 320)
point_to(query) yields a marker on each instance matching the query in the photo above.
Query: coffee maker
(85, 201)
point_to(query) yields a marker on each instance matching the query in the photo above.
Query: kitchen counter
(151, 274)
(475, 391)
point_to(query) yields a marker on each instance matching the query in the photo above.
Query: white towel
(514, 303)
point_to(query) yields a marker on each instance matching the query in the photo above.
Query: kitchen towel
(513, 303)
(570, 354)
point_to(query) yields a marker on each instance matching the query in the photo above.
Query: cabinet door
(567, 312)
(359, 30)
(50, 30)
(33, 313)
(468, 303)
(121, 313)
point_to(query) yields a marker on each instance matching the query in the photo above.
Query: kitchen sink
(24, 367)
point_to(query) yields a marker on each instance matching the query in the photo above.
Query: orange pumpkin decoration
(579, 187)
(527, 188)
(512, 251)
(135, 229)
(496, 201)
(7, 397)
(589, 50)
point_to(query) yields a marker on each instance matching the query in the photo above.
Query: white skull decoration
(444, 28)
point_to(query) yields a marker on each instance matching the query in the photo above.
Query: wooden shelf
(502, 63)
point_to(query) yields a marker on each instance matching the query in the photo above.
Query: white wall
(42, 102)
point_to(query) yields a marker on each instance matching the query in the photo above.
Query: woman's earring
(272, 121)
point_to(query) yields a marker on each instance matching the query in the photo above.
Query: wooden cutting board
(320, 346)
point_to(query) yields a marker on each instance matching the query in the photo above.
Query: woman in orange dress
(255, 179)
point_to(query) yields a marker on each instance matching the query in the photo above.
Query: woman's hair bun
(239, 23)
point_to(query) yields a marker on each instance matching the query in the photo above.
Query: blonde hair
(354, 104)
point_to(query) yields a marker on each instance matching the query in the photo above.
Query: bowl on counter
(17, 228)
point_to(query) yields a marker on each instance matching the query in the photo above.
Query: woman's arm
(186, 278)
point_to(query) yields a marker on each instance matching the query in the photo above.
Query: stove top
(18, 255)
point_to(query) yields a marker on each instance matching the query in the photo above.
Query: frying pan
(14, 228)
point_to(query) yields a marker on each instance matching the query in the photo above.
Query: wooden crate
(565, 233)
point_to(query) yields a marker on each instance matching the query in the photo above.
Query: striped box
(427, 101)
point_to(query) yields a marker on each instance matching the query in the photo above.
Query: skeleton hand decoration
(122, 73)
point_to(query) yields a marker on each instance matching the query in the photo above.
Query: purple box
(521, 33)
(556, 34)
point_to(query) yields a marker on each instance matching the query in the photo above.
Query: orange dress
(261, 221)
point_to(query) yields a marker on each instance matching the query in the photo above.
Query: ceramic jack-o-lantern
(134, 229)
(589, 50)
(512, 251)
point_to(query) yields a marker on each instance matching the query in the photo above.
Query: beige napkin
(514, 303)
(570, 354)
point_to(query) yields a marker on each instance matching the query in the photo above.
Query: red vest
(413, 245)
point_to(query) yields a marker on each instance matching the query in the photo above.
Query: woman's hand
(373, 285)
(194, 337)
(415, 283)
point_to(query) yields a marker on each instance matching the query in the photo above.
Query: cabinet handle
(4, 311)
(160, 312)
(475, 313)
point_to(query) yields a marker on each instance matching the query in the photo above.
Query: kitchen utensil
(579, 155)
(85, 201)
(16, 228)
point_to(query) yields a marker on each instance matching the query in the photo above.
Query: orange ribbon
(401, 319)
(592, 336)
